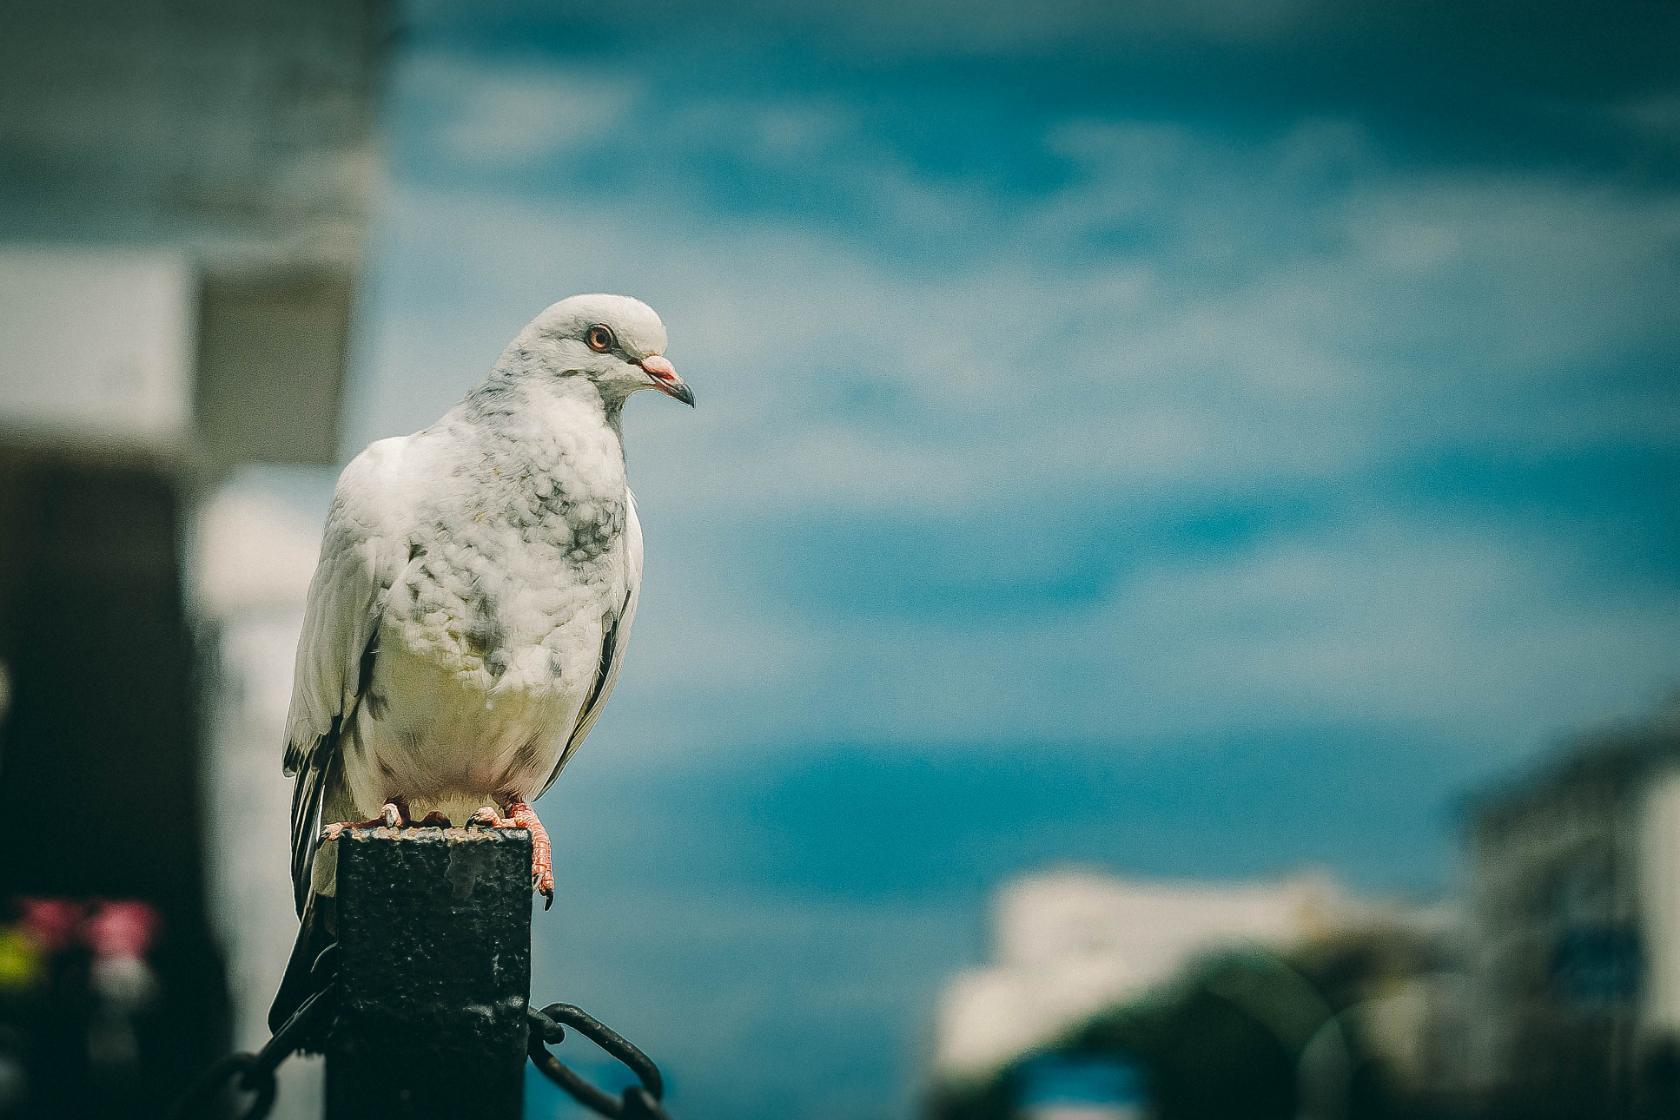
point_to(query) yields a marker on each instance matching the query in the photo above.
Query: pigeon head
(616, 342)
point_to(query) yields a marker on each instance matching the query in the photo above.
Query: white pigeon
(470, 608)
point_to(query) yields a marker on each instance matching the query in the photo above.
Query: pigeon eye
(600, 339)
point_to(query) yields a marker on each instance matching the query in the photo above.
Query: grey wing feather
(363, 550)
(615, 632)
(309, 792)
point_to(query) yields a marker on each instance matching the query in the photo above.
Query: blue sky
(1199, 439)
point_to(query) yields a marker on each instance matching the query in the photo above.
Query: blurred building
(1575, 889)
(1069, 944)
(1111, 998)
(184, 189)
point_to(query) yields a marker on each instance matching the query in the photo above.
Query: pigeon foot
(521, 815)
(393, 814)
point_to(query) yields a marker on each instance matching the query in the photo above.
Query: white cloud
(1445, 629)
(511, 114)
(1460, 627)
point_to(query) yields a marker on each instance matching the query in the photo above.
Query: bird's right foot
(393, 814)
(521, 815)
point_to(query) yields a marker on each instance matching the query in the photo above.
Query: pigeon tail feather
(300, 982)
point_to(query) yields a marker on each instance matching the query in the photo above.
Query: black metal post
(434, 973)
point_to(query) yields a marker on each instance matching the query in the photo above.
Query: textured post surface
(434, 968)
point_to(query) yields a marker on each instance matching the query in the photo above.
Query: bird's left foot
(393, 814)
(521, 815)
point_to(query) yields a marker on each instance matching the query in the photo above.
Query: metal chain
(256, 1071)
(639, 1102)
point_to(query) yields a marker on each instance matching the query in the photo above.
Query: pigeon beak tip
(665, 379)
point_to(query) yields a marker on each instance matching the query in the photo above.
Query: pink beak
(665, 378)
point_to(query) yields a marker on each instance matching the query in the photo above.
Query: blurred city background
(1169, 604)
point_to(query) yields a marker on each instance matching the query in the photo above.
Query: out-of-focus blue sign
(1074, 1087)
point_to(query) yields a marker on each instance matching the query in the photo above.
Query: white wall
(1659, 870)
(96, 346)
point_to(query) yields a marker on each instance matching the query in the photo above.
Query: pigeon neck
(516, 397)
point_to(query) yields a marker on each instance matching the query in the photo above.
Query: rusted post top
(434, 973)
